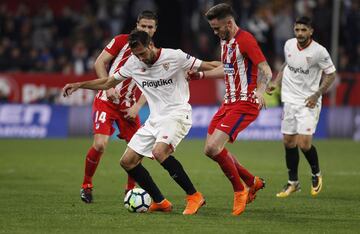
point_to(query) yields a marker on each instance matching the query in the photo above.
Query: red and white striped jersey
(240, 57)
(119, 48)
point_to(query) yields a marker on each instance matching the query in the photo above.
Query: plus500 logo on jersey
(229, 69)
(156, 83)
(32, 121)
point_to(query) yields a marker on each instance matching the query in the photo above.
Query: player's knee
(126, 164)
(304, 146)
(159, 155)
(100, 145)
(289, 143)
(211, 150)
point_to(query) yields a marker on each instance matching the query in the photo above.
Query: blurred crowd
(66, 37)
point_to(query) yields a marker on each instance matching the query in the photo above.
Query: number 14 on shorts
(100, 116)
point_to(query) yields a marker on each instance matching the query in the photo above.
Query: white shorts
(299, 119)
(170, 131)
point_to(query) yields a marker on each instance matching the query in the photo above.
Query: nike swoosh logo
(224, 126)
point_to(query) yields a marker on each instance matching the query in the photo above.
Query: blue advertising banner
(266, 127)
(33, 121)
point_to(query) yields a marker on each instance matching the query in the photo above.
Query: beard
(303, 40)
(151, 60)
(226, 35)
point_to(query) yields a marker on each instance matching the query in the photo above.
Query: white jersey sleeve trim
(329, 69)
(119, 76)
(196, 64)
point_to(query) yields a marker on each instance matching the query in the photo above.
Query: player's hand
(270, 88)
(131, 113)
(70, 88)
(194, 75)
(312, 100)
(112, 94)
(259, 95)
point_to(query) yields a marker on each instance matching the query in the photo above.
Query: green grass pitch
(40, 182)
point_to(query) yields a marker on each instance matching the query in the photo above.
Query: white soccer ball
(137, 200)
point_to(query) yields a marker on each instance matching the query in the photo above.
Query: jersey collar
(235, 36)
(300, 49)
(157, 55)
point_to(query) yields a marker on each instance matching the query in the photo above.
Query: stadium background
(44, 138)
(45, 44)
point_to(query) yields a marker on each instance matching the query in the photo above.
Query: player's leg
(240, 117)
(292, 163)
(142, 143)
(91, 162)
(93, 158)
(215, 149)
(127, 129)
(102, 129)
(310, 152)
(311, 155)
(171, 132)
(131, 162)
(289, 126)
(308, 119)
(175, 169)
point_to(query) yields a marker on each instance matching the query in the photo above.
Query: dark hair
(148, 15)
(220, 11)
(304, 20)
(137, 38)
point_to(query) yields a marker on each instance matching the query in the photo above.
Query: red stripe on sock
(227, 165)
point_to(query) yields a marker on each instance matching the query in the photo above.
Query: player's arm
(102, 83)
(327, 80)
(264, 77)
(328, 77)
(132, 112)
(215, 73)
(101, 67)
(276, 81)
(207, 66)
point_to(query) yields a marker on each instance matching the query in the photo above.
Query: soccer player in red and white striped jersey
(117, 104)
(241, 58)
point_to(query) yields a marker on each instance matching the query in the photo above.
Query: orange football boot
(240, 199)
(259, 183)
(194, 202)
(164, 206)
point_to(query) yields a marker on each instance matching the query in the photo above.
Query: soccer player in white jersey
(306, 61)
(160, 74)
(117, 104)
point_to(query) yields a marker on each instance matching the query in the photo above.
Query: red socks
(227, 165)
(130, 183)
(91, 163)
(245, 175)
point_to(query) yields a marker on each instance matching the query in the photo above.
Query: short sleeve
(125, 71)
(116, 44)
(249, 46)
(188, 62)
(325, 62)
